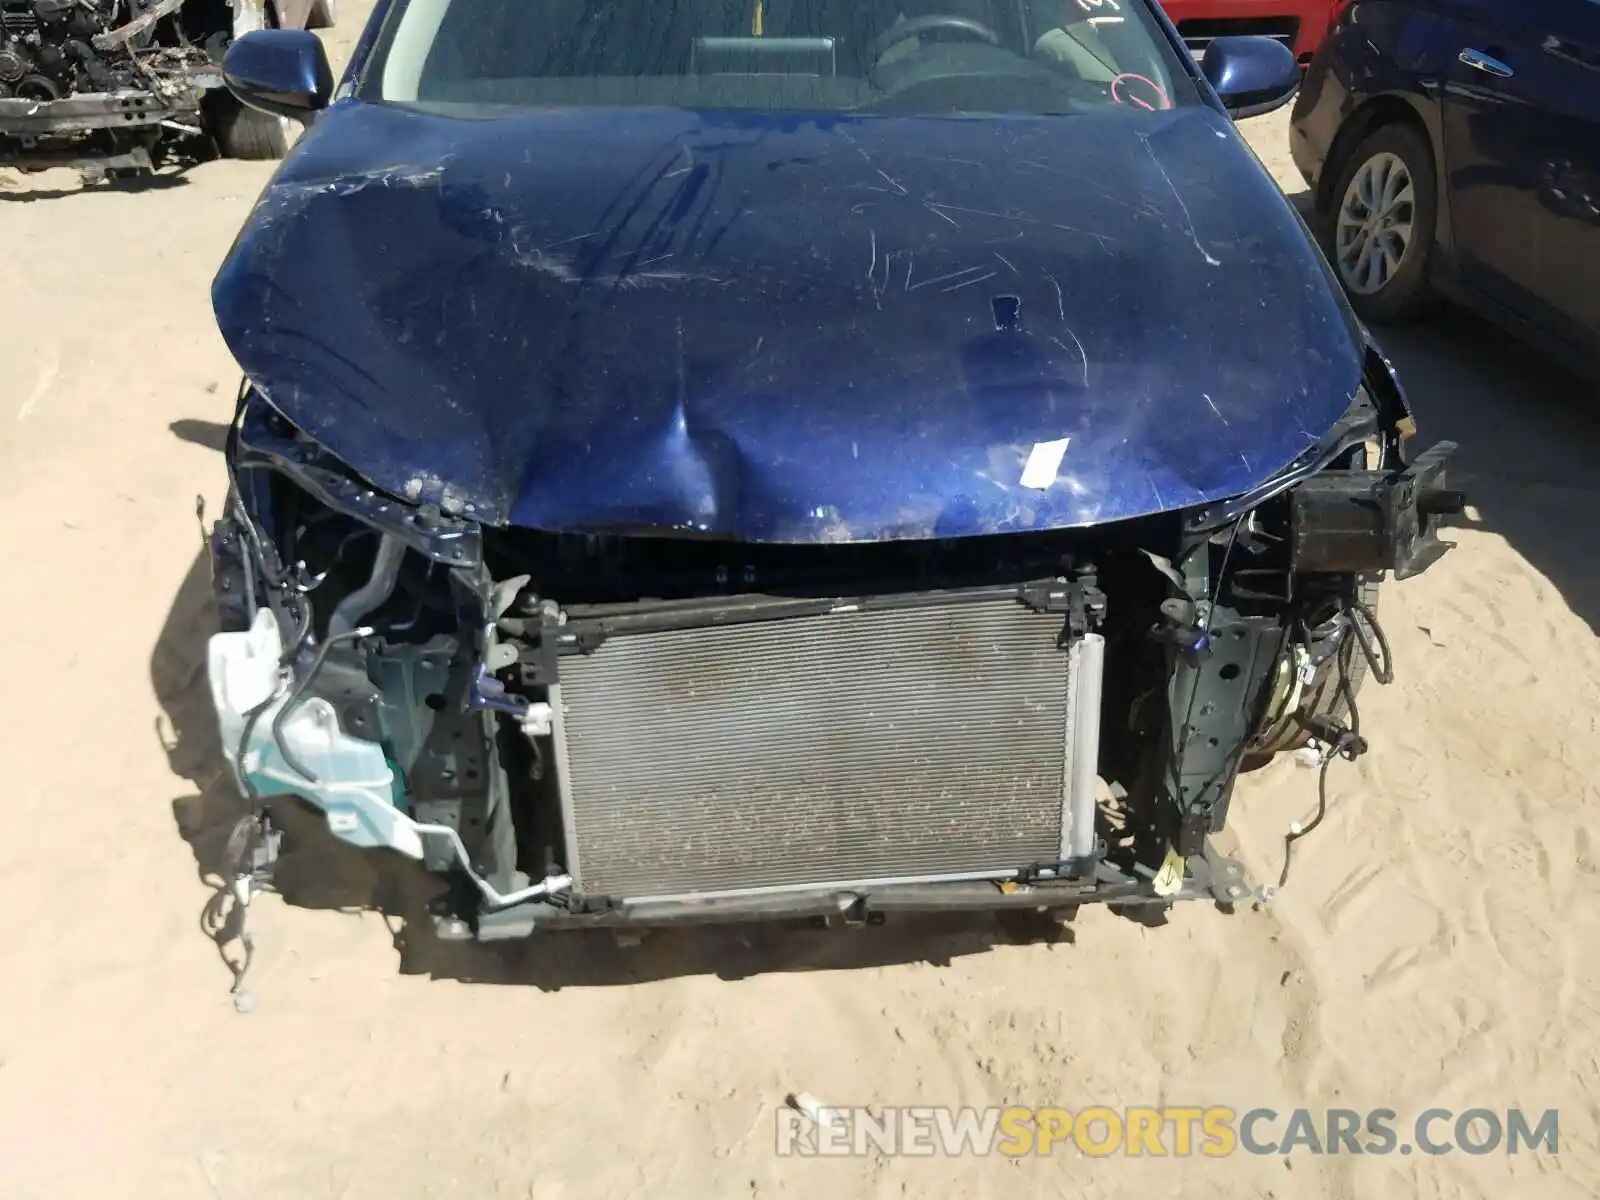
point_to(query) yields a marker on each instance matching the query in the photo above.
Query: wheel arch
(1390, 108)
(1367, 118)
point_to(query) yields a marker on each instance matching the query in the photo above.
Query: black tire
(324, 14)
(244, 133)
(1407, 294)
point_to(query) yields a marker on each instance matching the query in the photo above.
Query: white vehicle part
(355, 783)
(1087, 656)
(248, 16)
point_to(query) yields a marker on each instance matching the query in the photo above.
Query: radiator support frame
(1209, 876)
(549, 642)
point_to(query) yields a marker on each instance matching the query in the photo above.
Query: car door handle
(1489, 65)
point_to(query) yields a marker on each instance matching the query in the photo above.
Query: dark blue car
(719, 459)
(1453, 149)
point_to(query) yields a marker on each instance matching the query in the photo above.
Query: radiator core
(851, 747)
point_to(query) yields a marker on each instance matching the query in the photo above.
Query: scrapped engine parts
(611, 731)
(108, 86)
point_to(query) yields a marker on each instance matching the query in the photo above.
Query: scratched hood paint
(789, 329)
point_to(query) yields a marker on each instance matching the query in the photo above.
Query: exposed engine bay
(110, 83)
(46, 51)
(616, 729)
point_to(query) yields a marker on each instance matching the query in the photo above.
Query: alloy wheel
(1376, 224)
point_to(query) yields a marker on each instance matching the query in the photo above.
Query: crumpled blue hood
(789, 329)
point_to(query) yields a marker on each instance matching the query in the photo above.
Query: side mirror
(283, 72)
(1251, 75)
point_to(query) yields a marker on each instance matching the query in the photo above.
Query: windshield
(848, 56)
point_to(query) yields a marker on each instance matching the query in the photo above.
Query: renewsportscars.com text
(1169, 1131)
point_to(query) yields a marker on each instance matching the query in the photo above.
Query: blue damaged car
(736, 459)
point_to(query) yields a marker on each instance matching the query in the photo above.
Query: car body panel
(785, 329)
(1491, 163)
(1518, 224)
(1383, 57)
(1522, 161)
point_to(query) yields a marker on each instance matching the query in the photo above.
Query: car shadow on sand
(20, 189)
(316, 871)
(1529, 433)
(212, 435)
(1529, 437)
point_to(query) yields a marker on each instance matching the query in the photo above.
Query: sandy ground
(1435, 946)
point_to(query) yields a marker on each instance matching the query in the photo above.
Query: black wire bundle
(1344, 741)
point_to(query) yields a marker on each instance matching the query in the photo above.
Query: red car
(1298, 24)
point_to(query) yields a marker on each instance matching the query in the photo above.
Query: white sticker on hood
(1044, 462)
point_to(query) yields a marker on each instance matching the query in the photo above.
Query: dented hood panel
(789, 330)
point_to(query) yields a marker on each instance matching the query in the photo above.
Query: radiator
(852, 747)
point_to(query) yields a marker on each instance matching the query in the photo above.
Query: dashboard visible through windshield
(933, 57)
